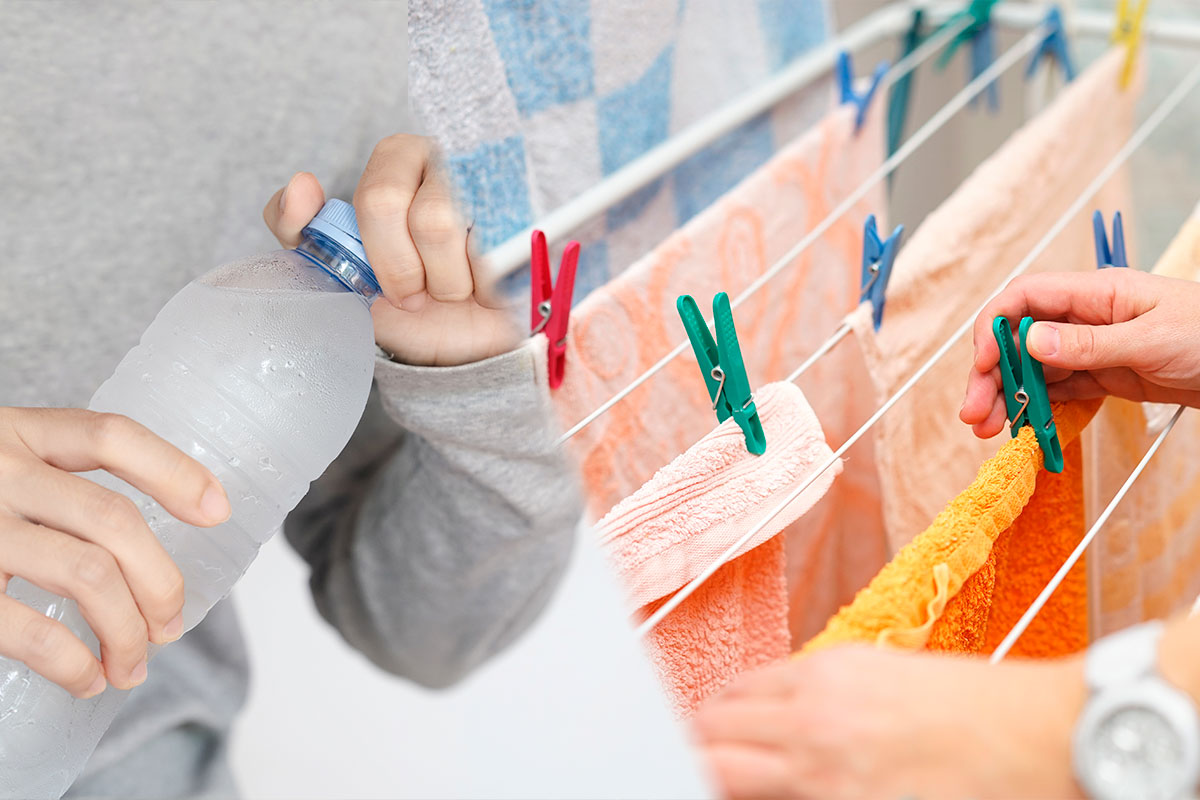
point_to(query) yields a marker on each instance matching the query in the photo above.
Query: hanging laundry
(1146, 560)
(688, 514)
(956, 259)
(535, 102)
(962, 584)
(628, 325)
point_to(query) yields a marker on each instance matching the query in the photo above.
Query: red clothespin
(552, 302)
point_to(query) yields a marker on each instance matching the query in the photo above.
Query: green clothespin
(980, 34)
(722, 367)
(1025, 394)
(898, 103)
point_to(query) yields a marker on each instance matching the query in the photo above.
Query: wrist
(1179, 656)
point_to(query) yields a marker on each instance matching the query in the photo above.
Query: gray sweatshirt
(138, 143)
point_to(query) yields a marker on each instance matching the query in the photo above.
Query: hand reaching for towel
(864, 722)
(1112, 331)
(435, 311)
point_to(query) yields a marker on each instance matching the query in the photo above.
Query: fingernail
(1043, 338)
(174, 629)
(138, 676)
(96, 688)
(414, 302)
(214, 505)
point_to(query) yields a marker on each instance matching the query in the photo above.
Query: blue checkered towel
(533, 101)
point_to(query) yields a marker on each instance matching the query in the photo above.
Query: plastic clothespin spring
(1025, 396)
(722, 367)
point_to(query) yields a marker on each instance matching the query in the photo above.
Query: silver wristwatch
(1138, 736)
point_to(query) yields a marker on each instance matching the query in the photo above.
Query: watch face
(1136, 752)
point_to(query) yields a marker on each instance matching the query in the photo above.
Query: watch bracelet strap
(1124, 657)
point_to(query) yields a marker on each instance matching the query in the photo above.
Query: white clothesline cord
(935, 123)
(841, 333)
(1059, 576)
(1135, 141)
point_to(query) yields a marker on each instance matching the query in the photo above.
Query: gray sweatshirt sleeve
(440, 532)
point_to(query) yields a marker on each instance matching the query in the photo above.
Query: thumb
(1083, 347)
(293, 207)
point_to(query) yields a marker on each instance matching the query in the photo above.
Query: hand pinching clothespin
(845, 73)
(1054, 46)
(1104, 256)
(877, 258)
(552, 302)
(722, 367)
(1128, 32)
(1025, 395)
(982, 37)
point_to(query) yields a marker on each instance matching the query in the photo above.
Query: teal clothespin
(1025, 394)
(982, 37)
(722, 367)
(902, 88)
(1054, 46)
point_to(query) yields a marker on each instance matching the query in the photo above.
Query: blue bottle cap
(336, 221)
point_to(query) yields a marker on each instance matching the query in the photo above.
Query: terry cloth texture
(957, 258)
(688, 514)
(535, 102)
(1146, 559)
(962, 584)
(628, 325)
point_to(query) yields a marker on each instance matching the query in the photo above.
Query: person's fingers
(76, 440)
(48, 648)
(755, 720)
(77, 506)
(982, 391)
(776, 680)
(65, 565)
(382, 202)
(440, 234)
(1102, 297)
(1087, 347)
(996, 420)
(744, 772)
(293, 207)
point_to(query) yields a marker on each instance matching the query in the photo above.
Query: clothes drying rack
(888, 22)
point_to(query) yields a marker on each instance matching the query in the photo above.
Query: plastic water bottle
(259, 370)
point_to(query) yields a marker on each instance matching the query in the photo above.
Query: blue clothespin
(1054, 46)
(722, 367)
(845, 74)
(1025, 396)
(1104, 256)
(982, 37)
(877, 259)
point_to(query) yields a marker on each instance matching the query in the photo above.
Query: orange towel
(956, 258)
(690, 512)
(962, 584)
(1147, 557)
(623, 328)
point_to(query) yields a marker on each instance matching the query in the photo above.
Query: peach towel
(626, 326)
(1146, 560)
(956, 258)
(690, 512)
(962, 584)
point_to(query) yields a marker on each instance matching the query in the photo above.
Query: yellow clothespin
(1129, 33)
